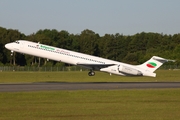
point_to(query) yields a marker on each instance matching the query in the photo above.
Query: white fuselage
(71, 57)
(57, 54)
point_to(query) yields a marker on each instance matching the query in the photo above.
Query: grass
(25, 77)
(141, 104)
(161, 104)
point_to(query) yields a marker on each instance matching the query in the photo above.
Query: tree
(121, 46)
(132, 49)
(7, 36)
(88, 42)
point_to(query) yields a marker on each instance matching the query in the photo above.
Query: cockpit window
(17, 42)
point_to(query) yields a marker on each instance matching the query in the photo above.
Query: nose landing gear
(12, 53)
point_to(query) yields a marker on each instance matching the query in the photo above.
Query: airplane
(93, 63)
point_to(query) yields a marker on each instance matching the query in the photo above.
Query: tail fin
(154, 63)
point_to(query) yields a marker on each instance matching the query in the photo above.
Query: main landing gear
(91, 73)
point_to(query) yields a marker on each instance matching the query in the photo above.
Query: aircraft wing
(94, 66)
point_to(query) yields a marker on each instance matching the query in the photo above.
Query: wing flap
(94, 66)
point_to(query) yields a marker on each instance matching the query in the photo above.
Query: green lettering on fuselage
(47, 47)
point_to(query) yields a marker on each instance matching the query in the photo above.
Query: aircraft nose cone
(7, 46)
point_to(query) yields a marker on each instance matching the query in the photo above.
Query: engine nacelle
(121, 70)
(128, 70)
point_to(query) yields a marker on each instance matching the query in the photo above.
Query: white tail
(152, 64)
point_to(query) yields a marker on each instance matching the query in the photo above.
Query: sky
(126, 17)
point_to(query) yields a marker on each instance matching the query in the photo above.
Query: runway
(47, 86)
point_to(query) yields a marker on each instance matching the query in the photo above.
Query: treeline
(134, 49)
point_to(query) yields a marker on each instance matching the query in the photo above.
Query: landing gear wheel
(12, 53)
(91, 73)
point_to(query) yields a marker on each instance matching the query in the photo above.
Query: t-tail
(151, 65)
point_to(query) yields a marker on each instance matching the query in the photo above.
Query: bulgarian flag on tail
(151, 65)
